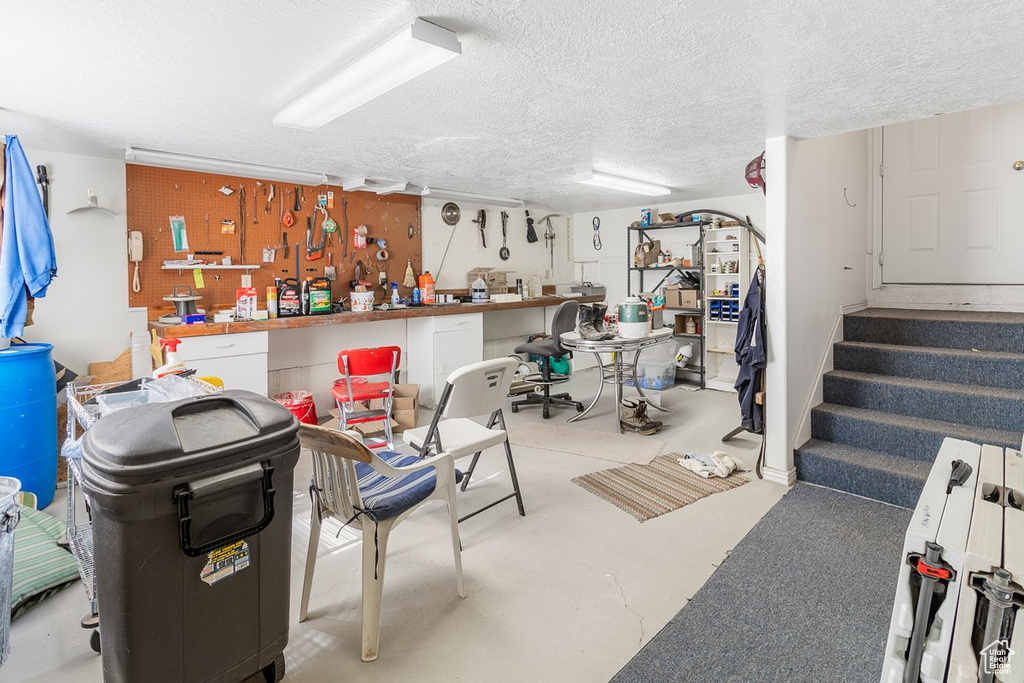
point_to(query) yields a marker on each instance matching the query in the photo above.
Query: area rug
(647, 491)
(614, 447)
(806, 596)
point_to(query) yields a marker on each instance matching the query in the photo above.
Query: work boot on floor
(635, 419)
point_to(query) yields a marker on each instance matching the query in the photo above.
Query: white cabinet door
(952, 203)
(453, 350)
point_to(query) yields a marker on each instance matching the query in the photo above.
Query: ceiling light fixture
(416, 49)
(438, 193)
(378, 185)
(613, 182)
(187, 162)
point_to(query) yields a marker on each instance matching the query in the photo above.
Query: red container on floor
(301, 405)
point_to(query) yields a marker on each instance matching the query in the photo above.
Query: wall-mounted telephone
(135, 255)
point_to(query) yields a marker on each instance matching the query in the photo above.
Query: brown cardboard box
(497, 280)
(678, 297)
(404, 410)
(680, 326)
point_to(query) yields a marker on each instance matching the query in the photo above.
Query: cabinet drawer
(247, 372)
(467, 321)
(222, 345)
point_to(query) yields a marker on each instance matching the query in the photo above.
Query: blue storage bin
(28, 419)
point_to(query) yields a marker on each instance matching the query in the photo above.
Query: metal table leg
(600, 390)
(617, 371)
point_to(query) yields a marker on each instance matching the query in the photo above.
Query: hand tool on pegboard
(313, 252)
(255, 208)
(242, 224)
(344, 234)
(329, 272)
(270, 199)
(287, 217)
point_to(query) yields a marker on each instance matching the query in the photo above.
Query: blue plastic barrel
(28, 419)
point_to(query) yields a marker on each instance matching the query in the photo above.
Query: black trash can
(192, 525)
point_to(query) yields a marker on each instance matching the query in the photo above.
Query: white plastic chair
(471, 391)
(370, 498)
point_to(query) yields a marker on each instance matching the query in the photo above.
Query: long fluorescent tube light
(416, 49)
(187, 162)
(438, 193)
(613, 182)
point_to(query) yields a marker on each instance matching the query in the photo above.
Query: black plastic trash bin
(191, 545)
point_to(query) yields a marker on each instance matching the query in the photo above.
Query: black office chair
(547, 349)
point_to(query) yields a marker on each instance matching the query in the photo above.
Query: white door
(952, 202)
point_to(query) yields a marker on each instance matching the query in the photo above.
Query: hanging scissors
(597, 233)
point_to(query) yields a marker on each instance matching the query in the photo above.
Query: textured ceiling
(679, 93)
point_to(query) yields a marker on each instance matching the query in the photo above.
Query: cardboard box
(678, 297)
(680, 325)
(405, 411)
(497, 280)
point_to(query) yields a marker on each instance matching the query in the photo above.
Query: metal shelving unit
(693, 371)
(81, 416)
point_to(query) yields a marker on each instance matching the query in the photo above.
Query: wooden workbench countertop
(180, 331)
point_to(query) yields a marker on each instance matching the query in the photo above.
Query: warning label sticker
(225, 562)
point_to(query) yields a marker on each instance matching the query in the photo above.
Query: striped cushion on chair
(387, 497)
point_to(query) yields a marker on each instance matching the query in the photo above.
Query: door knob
(1018, 166)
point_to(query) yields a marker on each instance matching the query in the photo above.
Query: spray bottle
(395, 299)
(173, 364)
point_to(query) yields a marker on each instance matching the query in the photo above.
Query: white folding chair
(471, 391)
(373, 492)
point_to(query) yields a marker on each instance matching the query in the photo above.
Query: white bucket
(362, 302)
(9, 488)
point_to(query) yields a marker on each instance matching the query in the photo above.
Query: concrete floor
(570, 592)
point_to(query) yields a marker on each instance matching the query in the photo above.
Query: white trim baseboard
(783, 477)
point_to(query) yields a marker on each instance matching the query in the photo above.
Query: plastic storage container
(656, 368)
(28, 419)
(191, 541)
(9, 487)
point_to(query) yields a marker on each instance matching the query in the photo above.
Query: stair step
(990, 407)
(938, 329)
(872, 474)
(985, 368)
(910, 437)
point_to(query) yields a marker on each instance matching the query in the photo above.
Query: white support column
(779, 468)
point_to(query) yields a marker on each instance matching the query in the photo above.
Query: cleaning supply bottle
(272, 302)
(172, 363)
(395, 299)
(415, 296)
(427, 293)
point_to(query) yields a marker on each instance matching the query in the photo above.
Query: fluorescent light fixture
(378, 185)
(438, 193)
(416, 49)
(152, 157)
(613, 182)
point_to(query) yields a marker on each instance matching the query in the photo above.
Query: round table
(613, 373)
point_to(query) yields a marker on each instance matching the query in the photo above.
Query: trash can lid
(154, 441)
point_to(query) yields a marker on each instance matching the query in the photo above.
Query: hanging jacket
(751, 355)
(28, 261)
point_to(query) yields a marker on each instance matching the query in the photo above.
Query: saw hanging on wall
(481, 221)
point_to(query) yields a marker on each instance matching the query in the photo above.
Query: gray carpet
(902, 382)
(806, 596)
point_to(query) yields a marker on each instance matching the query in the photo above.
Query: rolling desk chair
(563, 321)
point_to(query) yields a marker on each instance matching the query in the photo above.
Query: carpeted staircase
(903, 381)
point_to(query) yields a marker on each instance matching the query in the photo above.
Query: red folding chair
(354, 387)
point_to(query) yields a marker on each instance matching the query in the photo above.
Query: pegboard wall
(156, 194)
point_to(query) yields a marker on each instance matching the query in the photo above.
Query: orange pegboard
(156, 194)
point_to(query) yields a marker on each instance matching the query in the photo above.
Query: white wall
(817, 265)
(85, 313)
(526, 259)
